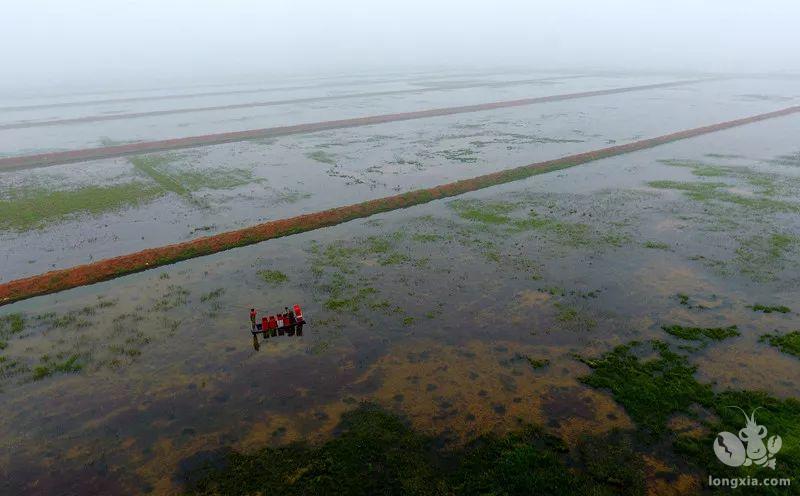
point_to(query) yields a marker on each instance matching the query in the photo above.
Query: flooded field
(607, 314)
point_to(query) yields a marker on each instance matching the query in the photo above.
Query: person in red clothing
(264, 325)
(273, 325)
(253, 317)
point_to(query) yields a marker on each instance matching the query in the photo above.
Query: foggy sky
(54, 42)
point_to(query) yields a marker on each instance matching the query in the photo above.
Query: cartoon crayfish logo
(748, 447)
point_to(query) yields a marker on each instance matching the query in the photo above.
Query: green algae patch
(462, 155)
(656, 245)
(322, 156)
(29, 208)
(700, 333)
(787, 343)
(10, 324)
(654, 390)
(376, 452)
(498, 213)
(537, 363)
(485, 212)
(185, 182)
(715, 191)
(770, 308)
(778, 417)
(569, 233)
(761, 257)
(48, 367)
(273, 276)
(651, 391)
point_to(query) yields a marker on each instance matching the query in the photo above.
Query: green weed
(273, 276)
(699, 333)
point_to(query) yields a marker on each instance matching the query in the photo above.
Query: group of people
(289, 323)
(279, 324)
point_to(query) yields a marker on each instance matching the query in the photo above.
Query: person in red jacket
(273, 325)
(253, 317)
(264, 325)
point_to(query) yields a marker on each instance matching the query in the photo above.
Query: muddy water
(432, 312)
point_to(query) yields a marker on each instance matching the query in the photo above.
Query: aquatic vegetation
(216, 179)
(377, 453)
(427, 237)
(709, 192)
(288, 195)
(574, 318)
(651, 391)
(174, 297)
(151, 165)
(486, 212)
(569, 233)
(780, 417)
(497, 213)
(538, 363)
(273, 276)
(792, 160)
(770, 308)
(10, 324)
(761, 257)
(23, 209)
(787, 343)
(212, 295)
(699, 333)
(322, 156)
(654, 390)
(724, 155)
(462, 155)
(656, 245)
(185, 182)
(48, 367)
(346, 297)
(615, 239)
(394, 259)
(699, 168)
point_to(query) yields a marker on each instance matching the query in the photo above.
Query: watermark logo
(748, 447)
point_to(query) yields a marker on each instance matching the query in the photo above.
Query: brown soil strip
(157, 113)
(59, 280)
(55, 158)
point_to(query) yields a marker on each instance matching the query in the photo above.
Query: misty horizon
(146, 44)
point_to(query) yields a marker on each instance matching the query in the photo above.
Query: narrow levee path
(59, 280)
(64, 157)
